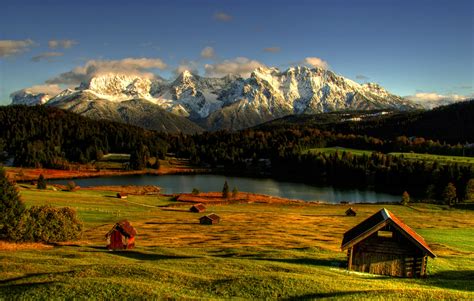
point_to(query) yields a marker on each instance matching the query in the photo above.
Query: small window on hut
(385, 234)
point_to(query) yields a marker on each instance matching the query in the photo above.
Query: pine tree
(41, 182)
(235, 192)
(470, 190)
(11, 208)
(225, 190)
(449, 194)
(405, 198)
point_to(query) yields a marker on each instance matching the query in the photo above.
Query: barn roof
(377, 221)
(211, 216)
(126, 228)
(350, 210)
(199, 206)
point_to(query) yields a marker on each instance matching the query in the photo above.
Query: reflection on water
(186, 183)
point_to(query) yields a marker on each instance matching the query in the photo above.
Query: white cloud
(208, 52)
(136, 66)
(51, 90)
(46, 55)
(272, 49)
(186, 65)
(12, 47)
(223, 17)
(241, 66)
(316, 62)
(53, 44)
(430, 96)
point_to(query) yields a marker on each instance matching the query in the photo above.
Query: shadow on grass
(458, 280)
(336, 294)
(7, 282)
(306, 261)
(146, 256)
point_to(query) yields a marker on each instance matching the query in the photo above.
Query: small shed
(121, 236)
(382, 244)
(209, 219)
(122, 195)
(197, 208)
(351, 212)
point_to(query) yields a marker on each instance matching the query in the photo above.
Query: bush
(71, 186)
(405, 198)
(196, 191)
(50, 224)
(225, 190)
(235, 192)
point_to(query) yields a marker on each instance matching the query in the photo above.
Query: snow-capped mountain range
(230, 102)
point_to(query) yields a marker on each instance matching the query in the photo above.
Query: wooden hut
(121, 236)
(122, 195)
(197, 208)
(383, 244)
(351, 212)
(209, 219)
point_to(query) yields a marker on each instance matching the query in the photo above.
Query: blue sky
(408, 47)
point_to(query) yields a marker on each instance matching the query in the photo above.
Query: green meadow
(258, 251)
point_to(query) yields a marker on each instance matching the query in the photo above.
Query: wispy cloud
(13, 47)
(208, 52)
(51, 90)
(46, 56)
(272, 49)
(223, 17)
(316, 62)
(240, 65)
(53, 44)
(136, 66)
(362, 77)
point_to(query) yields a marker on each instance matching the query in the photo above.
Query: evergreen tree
(235, 192)
(449, 194)
(11, 208)
(41, 182)
(196, 191)
(470, 190)
(405, 198)
(225, 190)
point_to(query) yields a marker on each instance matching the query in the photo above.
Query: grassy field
(409, 156)
(258, 251)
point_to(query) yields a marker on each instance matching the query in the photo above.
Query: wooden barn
(351, 212)
(209, 219)
(197, 208)
(383, 244)
(122, 195)
(121, 236)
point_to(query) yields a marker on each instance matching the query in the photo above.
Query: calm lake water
(186, 183)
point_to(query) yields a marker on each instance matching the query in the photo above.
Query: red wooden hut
(197, 208)
(209, 219)
(351, 212)
(121, 236)
(383, 244)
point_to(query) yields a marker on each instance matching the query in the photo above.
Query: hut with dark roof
(122, 195)
(197, 208)
(121, 236)
(209, 219)
(382, 244)
(351, 212)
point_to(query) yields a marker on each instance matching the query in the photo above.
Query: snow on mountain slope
(233, 102)
(25, 97)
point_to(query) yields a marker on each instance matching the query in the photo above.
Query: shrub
(225, 190)
(196, 191)
(71, 186)
(235, 192)
(50, 224)
(405, 198)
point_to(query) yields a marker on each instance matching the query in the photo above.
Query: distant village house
(210, 219)
(197, 208)
(351, 212)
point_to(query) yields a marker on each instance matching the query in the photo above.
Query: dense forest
(49, 137)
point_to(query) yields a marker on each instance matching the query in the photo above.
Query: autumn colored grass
(258, 251)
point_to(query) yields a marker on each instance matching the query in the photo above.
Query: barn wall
(395, 256)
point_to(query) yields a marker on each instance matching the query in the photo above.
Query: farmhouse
(121, 236)
(197, 208)
(383, 244)
(351, 212)
(122, 195)
(209, 219)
